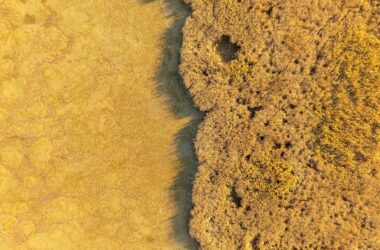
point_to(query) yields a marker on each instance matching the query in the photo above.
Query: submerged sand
(93, 149)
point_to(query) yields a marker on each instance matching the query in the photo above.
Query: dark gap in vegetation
(235, 197)
(360, 157)
(319, 55)
(373, 172)
(248, 157)
(244, 78)
(313, 70)
(375, 127)
(288, 144)
(241, 101)
(214, 176)
(269, 11)
(277, 145)
(248, 208)
(252, 111)
(256, 242)
(227, 50)
(260, 138)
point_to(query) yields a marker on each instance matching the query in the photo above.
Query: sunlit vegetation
(348, 137)
(289, 148)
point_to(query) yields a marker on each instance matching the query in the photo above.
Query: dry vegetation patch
(289, 148)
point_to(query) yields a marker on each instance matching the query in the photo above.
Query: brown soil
(289, 148)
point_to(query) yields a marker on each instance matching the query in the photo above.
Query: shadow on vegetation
(170, 85)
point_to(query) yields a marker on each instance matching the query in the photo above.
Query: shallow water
(96, 128)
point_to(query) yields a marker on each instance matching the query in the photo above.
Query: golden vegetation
(291, 95)
(348, 137)
(267, 179)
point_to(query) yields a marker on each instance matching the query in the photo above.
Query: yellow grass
(87, 142)
(348, 134)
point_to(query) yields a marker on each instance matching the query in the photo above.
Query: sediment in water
(88, 152)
